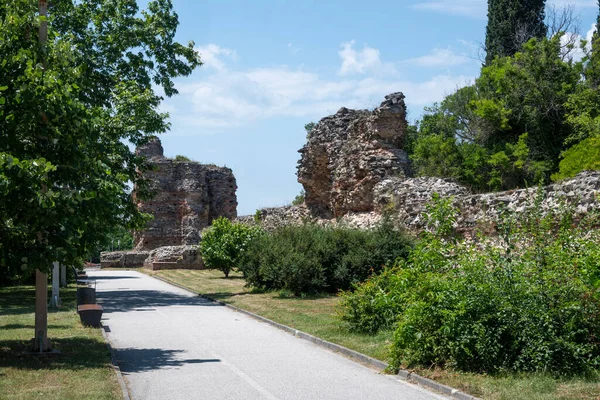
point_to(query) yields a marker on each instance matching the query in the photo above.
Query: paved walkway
(171, 344)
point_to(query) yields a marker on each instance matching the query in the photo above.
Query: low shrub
(312, 259)
(224, 242)
(528, 300)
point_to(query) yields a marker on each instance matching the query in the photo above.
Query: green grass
(81, 370)
(317, 316)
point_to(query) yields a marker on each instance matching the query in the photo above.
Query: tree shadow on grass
(22, 326)
(285, 295)
(21, 300)
(223, 295)
(75, 353)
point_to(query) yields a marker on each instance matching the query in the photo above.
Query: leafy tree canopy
(68, 107)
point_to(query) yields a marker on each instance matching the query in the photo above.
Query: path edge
(115, 365)
(352, 354)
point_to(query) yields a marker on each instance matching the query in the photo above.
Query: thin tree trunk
(55, 298)
(40, 340)
(63, 275)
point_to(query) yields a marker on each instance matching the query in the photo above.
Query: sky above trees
(271, 67)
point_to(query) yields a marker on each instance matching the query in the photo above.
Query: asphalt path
(171, 344)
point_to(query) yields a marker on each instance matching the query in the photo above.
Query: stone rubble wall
(405, 200)
(409, 197)
(166, 257)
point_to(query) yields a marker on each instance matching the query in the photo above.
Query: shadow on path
(138, 300)
(140, 360)
(108, 277)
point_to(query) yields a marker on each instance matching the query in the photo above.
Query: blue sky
(272, 66)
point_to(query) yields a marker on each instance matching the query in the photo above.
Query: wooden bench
(80, 277)
(90, 314)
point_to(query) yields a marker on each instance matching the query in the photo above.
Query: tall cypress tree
(593, 69)
(512, 23)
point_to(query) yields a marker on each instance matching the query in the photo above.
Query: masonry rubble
(187, 197)
(350, 152)
(353, 169)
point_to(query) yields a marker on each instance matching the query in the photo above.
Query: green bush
(180, 158)
(299, 199)
(312, 259)
(224, 242)
(583, 156)
(528, 300)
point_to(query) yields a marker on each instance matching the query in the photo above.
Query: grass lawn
(82, 369)
(317, 316)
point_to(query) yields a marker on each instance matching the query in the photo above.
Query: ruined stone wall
(353, 167)
(405, 200)
(348, 153)
(408, 198)
(188, 196)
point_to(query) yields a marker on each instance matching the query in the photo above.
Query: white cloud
(359, 62)
(227, 97)
(440, 58)
(212, 56)
(578, 53)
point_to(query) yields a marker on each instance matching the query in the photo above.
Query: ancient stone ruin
(188, 196)
(353, 168)
(348, 153)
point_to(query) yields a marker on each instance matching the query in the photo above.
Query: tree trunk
(63, 275)
(55, 298)
(40, 341)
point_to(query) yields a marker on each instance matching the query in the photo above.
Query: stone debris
(405, 200)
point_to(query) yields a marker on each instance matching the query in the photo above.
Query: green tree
(309, 127)
(584, 156)
(593, 67)
(299, 199)
(223, 244)
(526, 94)
(68, 107)
(511, 23)
(180, 158)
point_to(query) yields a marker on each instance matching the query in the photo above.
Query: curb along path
(171, 344)
(359, 357)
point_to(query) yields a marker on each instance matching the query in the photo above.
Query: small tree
(299, 199)
(224, 242)
(309, 127)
